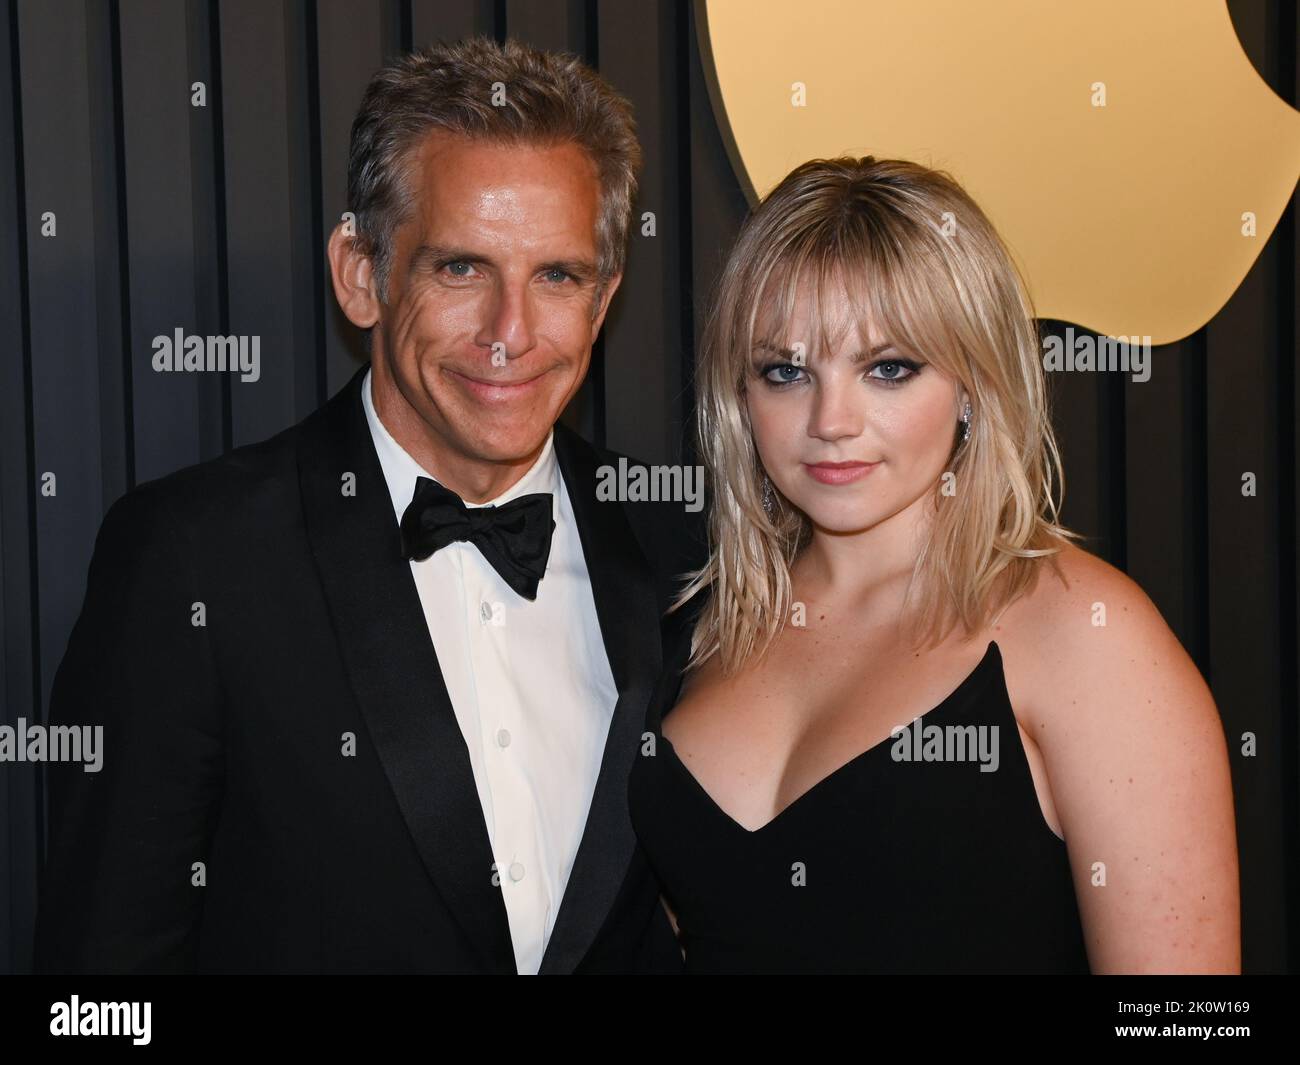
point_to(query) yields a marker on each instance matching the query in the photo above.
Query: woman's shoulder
(1074, 586)
(1085, 634)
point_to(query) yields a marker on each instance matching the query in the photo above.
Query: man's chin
(504, 448)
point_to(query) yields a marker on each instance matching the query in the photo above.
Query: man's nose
(509, 319)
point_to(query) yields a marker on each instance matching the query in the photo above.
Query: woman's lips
(497, 391)
(839, 472)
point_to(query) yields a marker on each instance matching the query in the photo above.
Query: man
(371, 690)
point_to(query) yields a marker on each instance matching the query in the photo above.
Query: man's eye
(558, 276)
(455, 268)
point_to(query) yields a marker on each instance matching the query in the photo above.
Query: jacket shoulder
(252, 480)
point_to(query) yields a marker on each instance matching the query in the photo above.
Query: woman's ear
(353, 275)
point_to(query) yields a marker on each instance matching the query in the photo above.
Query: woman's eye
(784, 374)
(893, 371)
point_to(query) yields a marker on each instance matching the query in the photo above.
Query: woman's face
(885, 419)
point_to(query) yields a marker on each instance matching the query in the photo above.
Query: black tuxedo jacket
(245, 617)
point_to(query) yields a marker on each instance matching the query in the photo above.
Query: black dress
(885, 866)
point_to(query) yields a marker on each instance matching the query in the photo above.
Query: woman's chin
(842, 521)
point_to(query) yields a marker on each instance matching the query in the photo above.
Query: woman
(916, 729)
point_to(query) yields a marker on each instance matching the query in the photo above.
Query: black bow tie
(515, 537)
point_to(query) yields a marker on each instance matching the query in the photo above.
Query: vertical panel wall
(179, 165)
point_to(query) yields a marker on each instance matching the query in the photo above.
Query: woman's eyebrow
(861, 356)
(767, 345)
(879, 349)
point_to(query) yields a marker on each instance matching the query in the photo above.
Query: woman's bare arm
(1138, 768)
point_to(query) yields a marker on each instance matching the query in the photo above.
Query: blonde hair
(915, 252)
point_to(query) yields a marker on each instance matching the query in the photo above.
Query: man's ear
(607, 297)
(353, 276)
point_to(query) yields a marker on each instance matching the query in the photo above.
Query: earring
(965, 422)
(769, 504)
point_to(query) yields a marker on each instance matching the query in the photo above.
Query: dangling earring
(769, 504)
(965, 422)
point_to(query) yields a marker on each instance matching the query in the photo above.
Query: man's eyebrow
(427, 254)
(861, 356)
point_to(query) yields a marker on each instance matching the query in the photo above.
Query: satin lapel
(389, 657)
(622, 585)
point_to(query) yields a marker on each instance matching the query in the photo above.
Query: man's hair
(508, 94)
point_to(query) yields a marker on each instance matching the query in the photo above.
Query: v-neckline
(992, 653)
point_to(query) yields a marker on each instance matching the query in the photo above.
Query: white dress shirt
(531, 687)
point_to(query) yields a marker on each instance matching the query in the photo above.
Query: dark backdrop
(214, 219)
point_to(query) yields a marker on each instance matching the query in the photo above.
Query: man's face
(488, 328)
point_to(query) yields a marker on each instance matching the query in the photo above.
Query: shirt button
(485, 611)
(516, 872)
(503, 737)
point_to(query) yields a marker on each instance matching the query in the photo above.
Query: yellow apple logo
(1129, 153)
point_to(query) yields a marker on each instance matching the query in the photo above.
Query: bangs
(851, 283)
